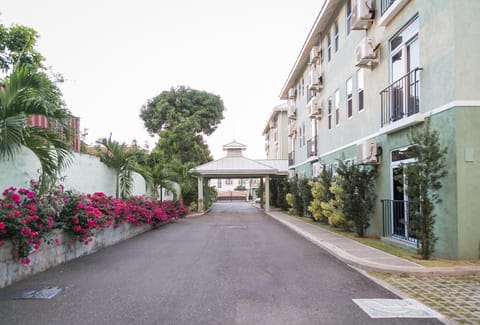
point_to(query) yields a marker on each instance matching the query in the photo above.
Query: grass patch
(393, 250)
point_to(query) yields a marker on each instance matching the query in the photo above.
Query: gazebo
(235, 165)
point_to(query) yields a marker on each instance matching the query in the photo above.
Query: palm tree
(162, 177)
(26, 92)
(124, 162)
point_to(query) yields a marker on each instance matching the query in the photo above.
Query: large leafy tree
(23, 93)
(200, 110)
(181, 117)
(124, 161)
(17, 47)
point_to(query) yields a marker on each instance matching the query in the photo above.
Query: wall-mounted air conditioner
(314, 108)
(314, 54)
(316, 80)
(367, 152)
(316, 169)
(292, 129)
(362, 14)
(366, 54)
(292, 110)
(292, 93)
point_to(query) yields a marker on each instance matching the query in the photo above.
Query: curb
(377, 267)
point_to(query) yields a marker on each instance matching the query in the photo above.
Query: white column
(200, 193)
(267, 193)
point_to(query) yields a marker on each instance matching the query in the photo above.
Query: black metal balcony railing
(402, 98)
(396, 216)
(291, 158)
(385, 4)
(312, 147)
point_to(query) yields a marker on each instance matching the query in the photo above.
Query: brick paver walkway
(457, 298)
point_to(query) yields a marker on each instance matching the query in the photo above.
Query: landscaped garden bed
(41, 231)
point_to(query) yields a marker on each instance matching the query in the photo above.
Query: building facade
(371, 69)
(73, 127)
(276, 133)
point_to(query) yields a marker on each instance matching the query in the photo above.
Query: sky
(115, 55)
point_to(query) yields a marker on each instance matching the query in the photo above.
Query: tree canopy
(198, 110)
(181, 117)
(17, 46)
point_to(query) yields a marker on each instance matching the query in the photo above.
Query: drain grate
(39, 293)
(395, 308)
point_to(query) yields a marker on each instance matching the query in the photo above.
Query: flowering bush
(26, 217)
(21, 224)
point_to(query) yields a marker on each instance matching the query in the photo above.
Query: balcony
(291, 158)
(396, 220)
(312, 147)
(389, 9)
(401, 99)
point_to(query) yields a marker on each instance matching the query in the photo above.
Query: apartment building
(367, 72)
(276, 133)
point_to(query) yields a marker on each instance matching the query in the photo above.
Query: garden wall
(86, 174)
(50, 255)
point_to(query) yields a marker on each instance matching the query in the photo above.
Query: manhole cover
(395, 308)
(39, 293)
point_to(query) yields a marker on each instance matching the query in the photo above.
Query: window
(404, 59)
(349, 17)
(349, 98)
(219, 183)
(360, 83)
(300, 136)
(330, 112)
(335, 36)
(329, 47)
(303, 134)
(337, 107)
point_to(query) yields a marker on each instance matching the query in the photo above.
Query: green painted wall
(468, 180)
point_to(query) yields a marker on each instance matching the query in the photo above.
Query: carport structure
(235, 165)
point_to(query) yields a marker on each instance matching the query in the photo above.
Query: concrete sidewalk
(362, 256)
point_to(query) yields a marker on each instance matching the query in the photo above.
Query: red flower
(15, 198)
(2, 225)
(57, 241)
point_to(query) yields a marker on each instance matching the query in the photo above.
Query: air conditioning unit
(366, 54)
(367, 152)
(362, 14)
(292, 93)
(292, 129)
(316, 80)
(292, 110)
(314, 54)
(314, 108)
(316, 169)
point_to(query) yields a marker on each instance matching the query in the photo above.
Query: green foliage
(240, 188)
(183, 106)
(300, 196)
(26, 92)
(278, 191)
(358, 194)
(315, 207)
(181, 116)
(424, 181)
(17, 47)
(333, 209)
(290, 198)
(124, 161)
(320, 193)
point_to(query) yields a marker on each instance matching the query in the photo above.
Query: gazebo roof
(237, 166)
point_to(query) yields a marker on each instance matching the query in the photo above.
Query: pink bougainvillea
(26, 217)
